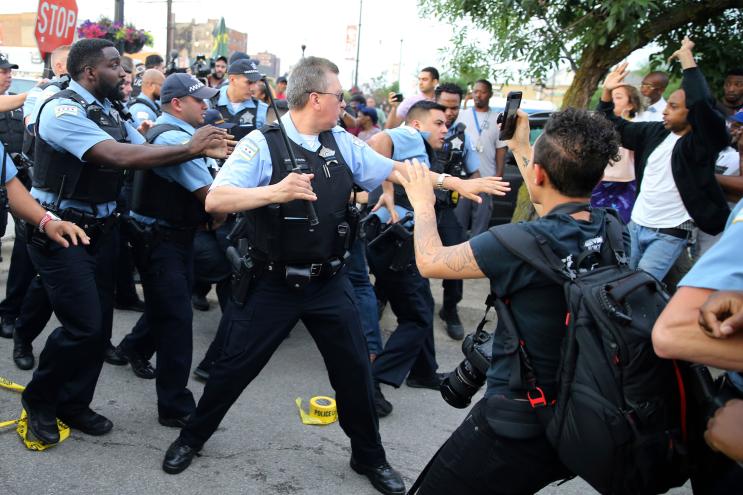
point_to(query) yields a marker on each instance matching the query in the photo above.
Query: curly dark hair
(574, 149)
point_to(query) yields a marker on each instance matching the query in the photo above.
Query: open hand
(417, 184)
(471, 188)
(212, 142)
(57, 230)
(616, 77)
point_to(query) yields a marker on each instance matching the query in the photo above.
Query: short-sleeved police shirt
(191, 175)
(64, 124)
(142, 111)
(537, 304)
(10, 170)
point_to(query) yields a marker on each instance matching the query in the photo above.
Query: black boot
(23, 355)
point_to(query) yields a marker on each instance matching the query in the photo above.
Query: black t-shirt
(537, 304)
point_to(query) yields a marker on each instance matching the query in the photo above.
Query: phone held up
(397, 97)
(507, 119)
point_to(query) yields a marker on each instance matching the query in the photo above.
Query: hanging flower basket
(124, 36)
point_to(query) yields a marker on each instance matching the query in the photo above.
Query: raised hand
(616, 77)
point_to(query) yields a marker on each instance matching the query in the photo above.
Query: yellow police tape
(322, 411)
(22, 428)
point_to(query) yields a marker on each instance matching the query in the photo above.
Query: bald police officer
(299, 273)
(82, 148)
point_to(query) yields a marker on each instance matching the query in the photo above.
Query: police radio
(311, 214)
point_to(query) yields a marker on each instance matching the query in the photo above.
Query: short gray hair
(310, 74)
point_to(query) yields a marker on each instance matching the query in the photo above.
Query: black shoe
(177, 422)
(201, 373)
(41, 424)
(89, 422)
(7, 325)
(385, 479)
(382, 405)
(178, 457)
(140, 366)
(199, 302)
(135, 305)
(112, 356)
(23, 355)
(453, 324)
(433, 382)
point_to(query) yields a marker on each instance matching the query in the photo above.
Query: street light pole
(358, 48)
(119, 11)
(169, 30)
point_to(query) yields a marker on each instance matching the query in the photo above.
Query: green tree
(590, 36)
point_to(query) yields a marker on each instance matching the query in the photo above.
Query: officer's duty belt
(176, 235)
(92, 225)
(298, 275)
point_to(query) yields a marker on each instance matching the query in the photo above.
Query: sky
(283, 26)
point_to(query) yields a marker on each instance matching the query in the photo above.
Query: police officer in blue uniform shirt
(82, 148)
(146, 105)
(235, 101)
(167, 207)
(458, 157)
(298, 272)
(409, 352)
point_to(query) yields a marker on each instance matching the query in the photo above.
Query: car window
(20, 85)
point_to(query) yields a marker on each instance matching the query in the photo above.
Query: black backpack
(617, 419)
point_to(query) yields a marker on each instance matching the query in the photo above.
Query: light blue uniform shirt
(30, 101)
(260, 116)
(250, 164)
(407, 143)
(470, 155)
(64, 124)
(193, 174)
(10, 170)
(40, 97)
(141, 112)
(720, 268)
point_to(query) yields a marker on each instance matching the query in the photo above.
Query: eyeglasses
(339, 96)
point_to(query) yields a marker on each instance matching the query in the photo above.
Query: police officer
(410, 349)
(235, 101)
(167, 207)
(458, 157)
(145, 106)
(25, 294)
(82, 147)
(298, 272)
(11, 136)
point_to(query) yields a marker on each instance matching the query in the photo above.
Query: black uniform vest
(62, 173)
(144, 101)
(450, 160)
(29, 136)
(156, 197)
(245, 119)
(281, 232)
(11, 130)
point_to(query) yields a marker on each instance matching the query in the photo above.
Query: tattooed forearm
(436, 260)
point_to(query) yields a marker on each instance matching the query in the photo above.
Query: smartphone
(507, 119)
(398, 97)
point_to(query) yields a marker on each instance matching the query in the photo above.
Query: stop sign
(55, 24)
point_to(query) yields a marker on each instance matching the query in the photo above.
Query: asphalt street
(260, 448)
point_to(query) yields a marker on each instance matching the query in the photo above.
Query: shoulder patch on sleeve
(247, 149)
(66, 110)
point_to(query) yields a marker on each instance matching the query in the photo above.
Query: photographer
(216, 78)
(501, 446)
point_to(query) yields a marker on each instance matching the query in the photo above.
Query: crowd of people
(301, 202)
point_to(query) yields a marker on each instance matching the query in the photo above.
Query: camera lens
(458, 388)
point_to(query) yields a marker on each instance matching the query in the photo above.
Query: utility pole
(358, 47)
(119, 11)
(170, 30)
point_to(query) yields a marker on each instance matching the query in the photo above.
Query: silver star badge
(326, 152)
(456, 143)
(247, 118)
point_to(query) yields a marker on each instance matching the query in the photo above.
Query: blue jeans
(366, 300)
(652, 251)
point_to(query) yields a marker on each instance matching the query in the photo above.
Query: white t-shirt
(654, 113)
(659, 205)
(311, 140)
(482, 130)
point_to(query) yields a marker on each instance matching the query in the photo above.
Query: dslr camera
(458, 388)
(201, 67)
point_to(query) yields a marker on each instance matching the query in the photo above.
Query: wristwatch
(440, 182)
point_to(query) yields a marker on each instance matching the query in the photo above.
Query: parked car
(503, 206)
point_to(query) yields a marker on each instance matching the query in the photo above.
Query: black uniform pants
(410, 348)
(36, 311)
(452, 233)
(20, 273)
(477, 461)
(79, 282)
(254, 331)
(166, 327)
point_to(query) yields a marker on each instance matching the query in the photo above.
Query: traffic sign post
(56, 21)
